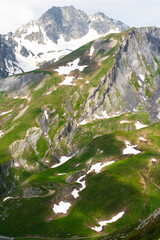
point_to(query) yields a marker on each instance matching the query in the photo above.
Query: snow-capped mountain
(58, 32)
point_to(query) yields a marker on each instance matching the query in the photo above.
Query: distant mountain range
(56, 33)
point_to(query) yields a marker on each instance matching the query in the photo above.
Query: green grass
(148, 93)
(116, 188)
(134, 82)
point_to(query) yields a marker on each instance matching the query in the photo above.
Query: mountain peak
(56, 33)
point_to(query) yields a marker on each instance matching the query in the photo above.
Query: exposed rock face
(134, 79)
(19, 84)
(68, 21)
(29, 142)
(6, 181)
(150, 219)
(7, 56)
(49, 38)
(103, 24)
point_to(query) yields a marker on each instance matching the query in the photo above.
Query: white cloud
(13, 16)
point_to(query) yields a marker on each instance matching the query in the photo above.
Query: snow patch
(140, 83)
(62, 160)
(71, 66)
(82, 123)
(153, 160)
(114, 30)
(62, 207)
(46, 114)
(4, 113)
(142, 77)
(130, 149)
(139, 125)
(95, 18)
(91, 51)
(68, 81)
(24, 97)
(103, 223)
(124, 121)
(98, 166)
(142, 139)
(1, 133)
(103, 115)
(16, 164)
(158, 116)
(5, 199)
(75, 192)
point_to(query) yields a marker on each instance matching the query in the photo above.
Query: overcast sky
(14, 13)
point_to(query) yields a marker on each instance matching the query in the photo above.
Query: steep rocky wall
(134, 78)
(7, 182)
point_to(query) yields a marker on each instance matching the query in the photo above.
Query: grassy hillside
(50, 120)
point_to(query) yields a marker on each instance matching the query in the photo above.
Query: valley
(79, 143)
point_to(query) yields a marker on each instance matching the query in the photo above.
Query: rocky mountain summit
(58, 32)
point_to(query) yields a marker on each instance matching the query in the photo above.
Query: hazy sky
(14, 13)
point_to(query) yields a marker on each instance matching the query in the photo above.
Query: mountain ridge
(55, 34)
